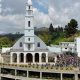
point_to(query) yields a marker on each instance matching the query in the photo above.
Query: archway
(29, 57)
(14, 57)
(21, 57)
(43, 57)
(36, 57)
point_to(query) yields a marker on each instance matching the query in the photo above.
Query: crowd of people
(68, 60)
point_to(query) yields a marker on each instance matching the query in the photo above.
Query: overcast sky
(58, 12)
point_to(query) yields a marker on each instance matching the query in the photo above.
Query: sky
(57, 12)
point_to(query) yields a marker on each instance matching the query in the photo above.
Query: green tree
(4, 41)
(51, 29)
(71, 27)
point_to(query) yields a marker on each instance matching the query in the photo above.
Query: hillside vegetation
(7, 40)
(60, 34)
(49, 35)
(57, 39)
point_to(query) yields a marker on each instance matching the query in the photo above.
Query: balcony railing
(38, 67)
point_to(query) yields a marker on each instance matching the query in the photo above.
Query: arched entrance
(14, 57)
(43, 57)
(36, 57)
(21, 57)
(29, 57)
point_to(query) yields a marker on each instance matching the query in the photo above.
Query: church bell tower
(29, 28)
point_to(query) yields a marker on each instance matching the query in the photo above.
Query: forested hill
(7, 40)
(49, 35)
(60, 34)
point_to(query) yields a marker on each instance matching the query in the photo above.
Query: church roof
(42, 47)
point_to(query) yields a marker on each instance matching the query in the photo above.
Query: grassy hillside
(8, 40)
(56, 39)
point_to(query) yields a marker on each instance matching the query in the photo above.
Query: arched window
(29, 24)
(36, 57)
(38, 44)
(43, 57)
(21, 57)
(14, 57)
(29, 57)
(20, 44)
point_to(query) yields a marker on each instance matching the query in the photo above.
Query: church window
(29, 23)
(28, 46)
(65, 48)
(28, 39)
(38, 44)
(29, 7)
(21, 44)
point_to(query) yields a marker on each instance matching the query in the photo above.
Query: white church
(31, 49)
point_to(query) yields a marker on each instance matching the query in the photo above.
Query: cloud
(62, 11)
(17, 5)
(7, 10)
(11, 23)
(59, 13)
(41, 19)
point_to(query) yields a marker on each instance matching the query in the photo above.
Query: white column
(27, 74)
(15, 72)
(40, 58)
(76, 76)
(33, 58)
(55, 59)
(18, 58)
(61, 76)
(11, 58)
(46, 57)
(24, 58)
(40, 75)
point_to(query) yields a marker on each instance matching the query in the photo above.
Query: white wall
(65, 49)
(4, 50)
(1, 59)
(77, 44)
(54, 49)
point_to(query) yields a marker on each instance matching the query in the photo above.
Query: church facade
(29, 48)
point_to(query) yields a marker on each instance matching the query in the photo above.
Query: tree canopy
(51, 29)
(71, 27)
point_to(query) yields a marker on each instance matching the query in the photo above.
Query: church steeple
(29, 28)
(29, 2)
